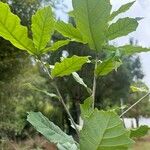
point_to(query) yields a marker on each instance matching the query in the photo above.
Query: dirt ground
(142, 144)
(39, 143)
(36, 143)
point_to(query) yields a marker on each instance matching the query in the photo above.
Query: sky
(141, 8)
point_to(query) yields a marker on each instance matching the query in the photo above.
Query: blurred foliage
(17, 69)
(141, 109)
(17, 99)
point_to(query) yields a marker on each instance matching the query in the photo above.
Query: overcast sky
(141, 8)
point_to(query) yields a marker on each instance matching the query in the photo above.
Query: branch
(60, 96)
(135, 104)
(94, 84)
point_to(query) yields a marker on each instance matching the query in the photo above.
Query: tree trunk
(137, 121)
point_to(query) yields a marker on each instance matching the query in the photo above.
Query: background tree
(141, 109)
(16, 69)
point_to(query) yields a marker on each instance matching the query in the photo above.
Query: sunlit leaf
(69, 31)
(92, 17)
(107, 66)
(131, 49)
(127, 49)
(69, 65)
(122, 9)
(55, 46)
(42, 28)
(13, 31)
(122, 27)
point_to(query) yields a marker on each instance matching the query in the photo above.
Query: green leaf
(92, 17)
(42, 28)
(107, 66)
(109, 48)
(12, 30)
(55, 46)
(52, 132)
(122, 9)
(80, 81)
(139, 132)
(70, 13)
(69, 65)
(86, 107)
(32, 87)
(121, 28)
(69, 31)
(104, 130)
(131, 49)
(126, 49)
(67, 146)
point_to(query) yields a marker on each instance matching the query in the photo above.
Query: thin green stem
(94, 84)
(60, 97)
(135, 104)
(66, 109)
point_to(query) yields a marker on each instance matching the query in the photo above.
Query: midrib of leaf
(7, 29)
(104, 132)
(110, 137)
(41, 37)
(90, 138)
(89, 24)
(113, 136)
(114, 126)
(103, 135)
